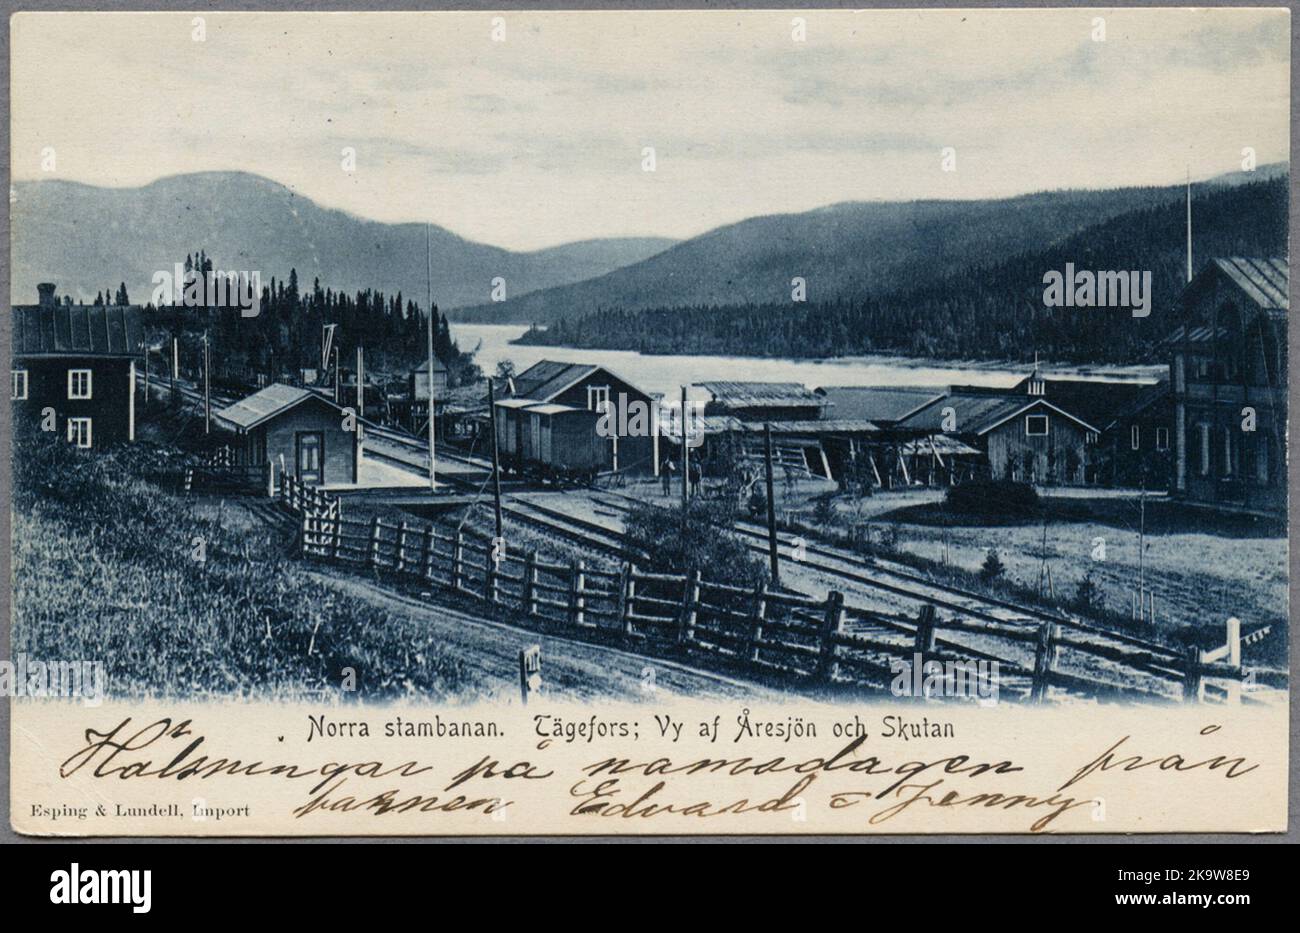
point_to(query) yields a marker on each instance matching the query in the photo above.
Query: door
(311, 456)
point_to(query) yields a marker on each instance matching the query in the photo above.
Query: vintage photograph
(410, 368)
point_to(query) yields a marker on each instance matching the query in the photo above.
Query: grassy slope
(104, 571)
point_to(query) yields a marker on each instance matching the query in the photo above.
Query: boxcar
(551, 442)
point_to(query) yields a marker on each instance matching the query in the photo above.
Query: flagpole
(428, 281)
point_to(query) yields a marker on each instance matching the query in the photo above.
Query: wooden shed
(296, 430)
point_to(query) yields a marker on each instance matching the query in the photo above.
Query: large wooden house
(76, 363)
(1228, 362)
(1021, 436)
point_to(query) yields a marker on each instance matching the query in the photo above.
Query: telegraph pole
(176, 368)
(686, 460)
(361, 382)
(428, 295)
(207, 386)
(496, 456)
(338, 380)
(772, 554)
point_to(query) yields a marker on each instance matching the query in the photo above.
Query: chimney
(46, 290)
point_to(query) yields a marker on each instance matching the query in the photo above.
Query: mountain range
(86, 238)
(846, 251)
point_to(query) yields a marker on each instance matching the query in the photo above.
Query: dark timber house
(551, 422)
(77, 361)
(1022, 436)
(294, 430)
(1228, 374)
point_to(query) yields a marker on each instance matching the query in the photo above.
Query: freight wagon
(551, 442)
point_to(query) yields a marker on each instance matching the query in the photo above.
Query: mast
(1189, 225)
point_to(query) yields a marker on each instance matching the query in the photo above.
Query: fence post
(1234, 658)
(302, 538)
(1044, 662)
(757, 616)
(577, 585)
(627, 593)
(1193, 687)
(401, 547)
(831, 625)
(690, 607)
(426, 554)
(374, 541)
(457, 554)
(530, 584)
(925, 630)
(270, 479)
(337, 541)
(490, 569)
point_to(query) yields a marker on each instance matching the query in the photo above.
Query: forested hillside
(993, 312)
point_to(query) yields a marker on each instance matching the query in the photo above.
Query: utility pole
(176, 368)
(496, 456)
(686, 460)
(1142, 535)
(361, 382)
(338, 380)
(772, 554)
(207, 386)
(428, 297)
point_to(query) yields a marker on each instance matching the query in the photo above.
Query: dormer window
(1037, 387)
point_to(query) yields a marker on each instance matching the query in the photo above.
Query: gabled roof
(981, 413)
(438, 367)
(266, 404)
(77, 330)
(1090, 399)
(761, 394)
(877, 403)
(546, 379)
(1264, 281)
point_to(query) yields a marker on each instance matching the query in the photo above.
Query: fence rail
(761, 629)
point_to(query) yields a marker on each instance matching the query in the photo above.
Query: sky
(537, 135)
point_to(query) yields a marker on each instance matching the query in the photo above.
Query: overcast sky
(539, 139)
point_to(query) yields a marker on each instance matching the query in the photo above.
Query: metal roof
(817, 426)
(77, 330)
(736, 395)
(438, 367)
(1265, 281)
(265, 404)
(878, 403)
(546, 379)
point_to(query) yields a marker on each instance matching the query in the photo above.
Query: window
(597, 398)
(1036, 425)
(78, 383)
(19, 390)
(79, 431)
(1135, 437)
(1162, 438)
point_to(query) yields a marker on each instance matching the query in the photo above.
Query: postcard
(600, 423)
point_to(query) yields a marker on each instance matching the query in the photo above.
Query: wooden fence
(766, 630)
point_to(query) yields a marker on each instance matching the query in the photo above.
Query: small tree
(992, 568)
(1087, 596)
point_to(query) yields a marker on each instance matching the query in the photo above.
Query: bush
(992, 568)
(994, 498)
(702, 543)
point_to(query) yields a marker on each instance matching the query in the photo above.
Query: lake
(667, 374)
